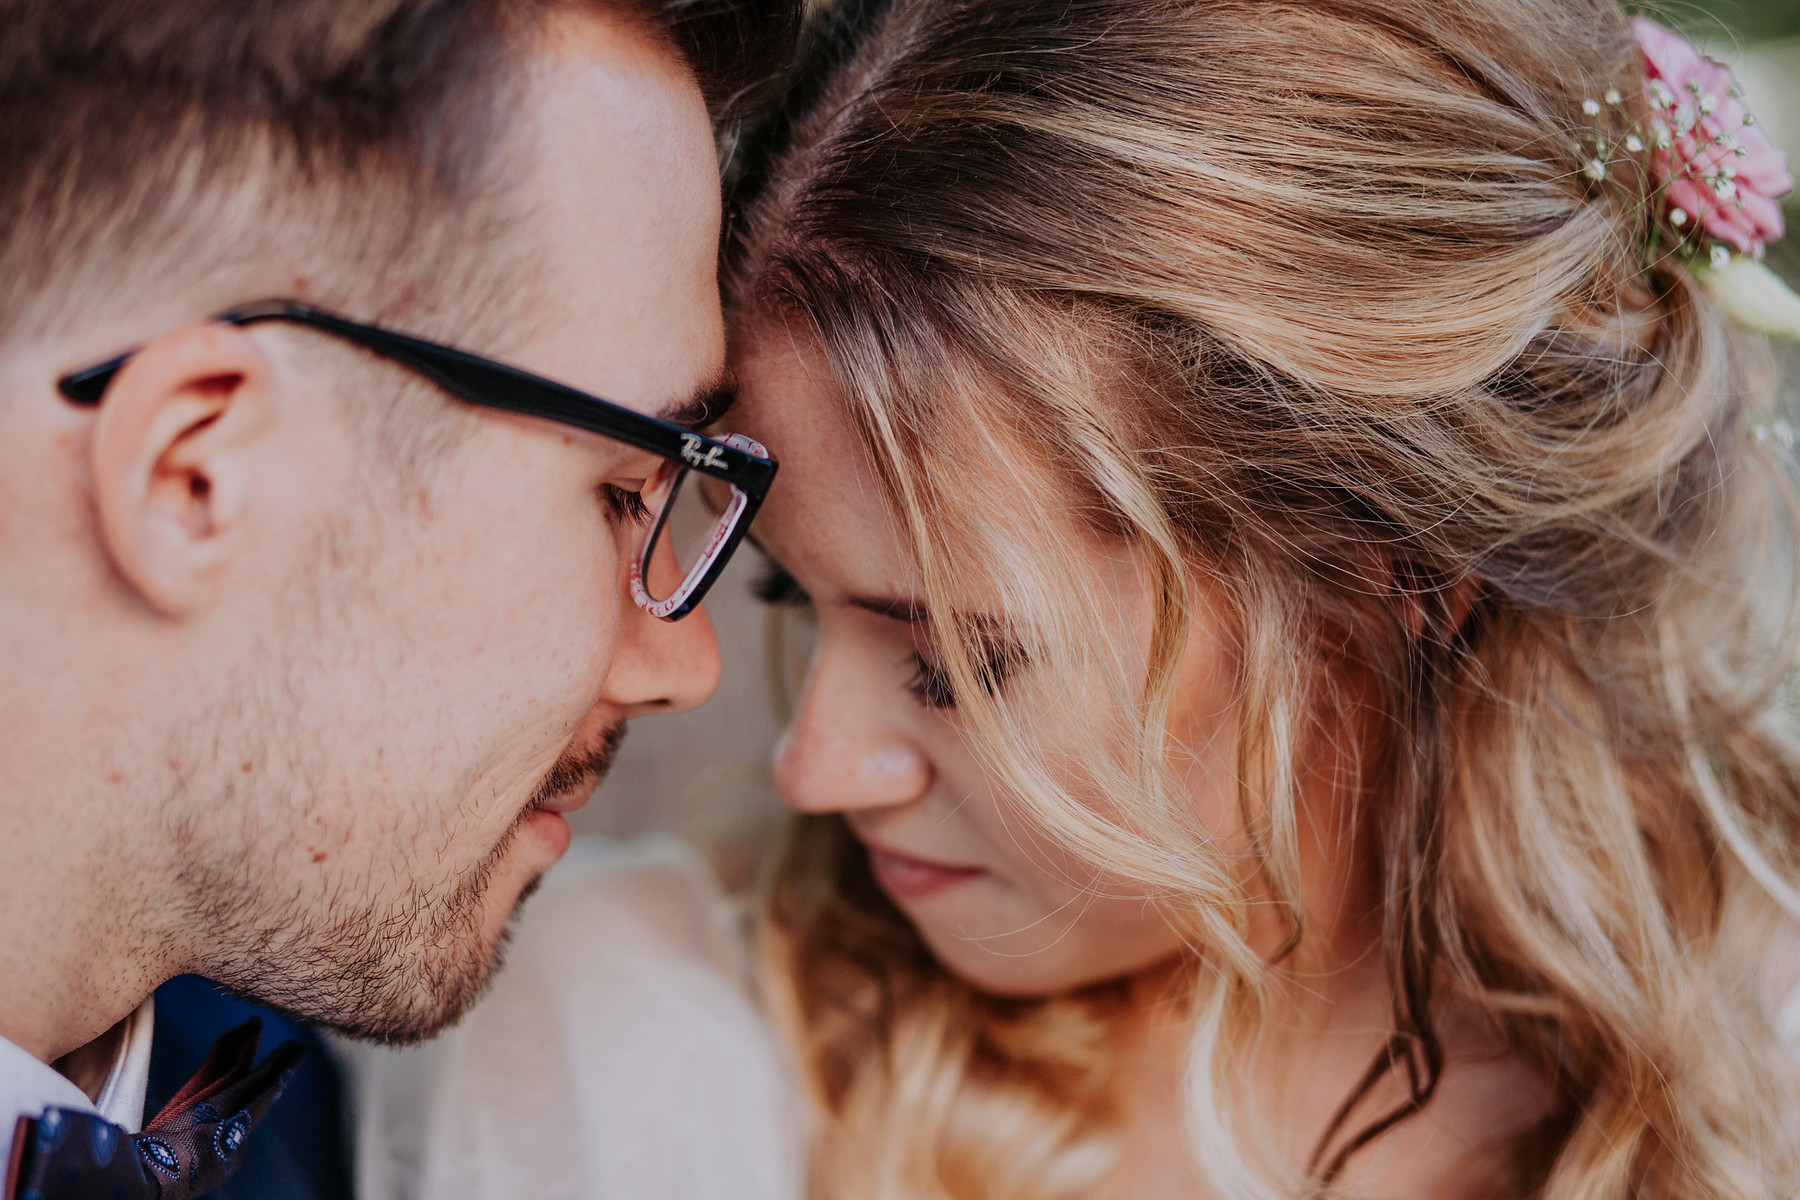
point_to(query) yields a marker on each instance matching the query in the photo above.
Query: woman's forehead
(826, 517)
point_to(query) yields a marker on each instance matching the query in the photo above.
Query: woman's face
(872, 738)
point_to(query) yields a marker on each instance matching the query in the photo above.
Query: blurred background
(704, 774)
(1760, 39)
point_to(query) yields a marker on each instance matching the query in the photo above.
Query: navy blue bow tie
(189, 1148)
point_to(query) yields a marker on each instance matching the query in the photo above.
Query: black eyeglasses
(735, 461)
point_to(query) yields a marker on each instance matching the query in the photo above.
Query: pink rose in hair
(1710, 160)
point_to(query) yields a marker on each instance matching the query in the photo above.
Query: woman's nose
(841, 752)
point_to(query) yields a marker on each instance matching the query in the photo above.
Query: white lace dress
(619, 1056)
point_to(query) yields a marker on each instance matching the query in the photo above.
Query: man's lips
(907, 877)
(574, 776)
(569, 801)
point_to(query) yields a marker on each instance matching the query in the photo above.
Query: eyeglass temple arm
(495, 385)
(87, 387)
(489, 384)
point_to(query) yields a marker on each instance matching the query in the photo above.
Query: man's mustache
(580, 765)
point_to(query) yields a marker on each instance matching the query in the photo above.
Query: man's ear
(170, 471)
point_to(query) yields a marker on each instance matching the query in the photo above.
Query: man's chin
(455, 988)
(534, 845)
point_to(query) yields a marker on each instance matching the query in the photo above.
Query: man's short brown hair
(147, 145)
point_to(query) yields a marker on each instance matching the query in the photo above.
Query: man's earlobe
(170, 468)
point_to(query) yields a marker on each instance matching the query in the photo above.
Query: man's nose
(661, 666)
(841, 753)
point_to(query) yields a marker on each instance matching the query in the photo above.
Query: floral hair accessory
(1717, 175)
(1713, 178)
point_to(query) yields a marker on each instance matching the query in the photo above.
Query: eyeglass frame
(490, 384)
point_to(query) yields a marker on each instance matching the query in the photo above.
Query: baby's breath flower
(1594, 170)
(1612, 97)
(1678, 217)
(1719, 257)
(1634, 143)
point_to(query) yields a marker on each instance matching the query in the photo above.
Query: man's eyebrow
(709, 403)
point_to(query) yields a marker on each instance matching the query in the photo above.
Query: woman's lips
(906, 878)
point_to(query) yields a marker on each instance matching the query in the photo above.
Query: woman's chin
(1023, 961)
(1001, 966)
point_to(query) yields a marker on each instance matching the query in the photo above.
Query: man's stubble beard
(395, 967)
(394, 970)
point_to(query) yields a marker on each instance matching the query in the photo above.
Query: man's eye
(625, 505)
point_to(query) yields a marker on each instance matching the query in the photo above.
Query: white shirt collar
(121, 1098)
(28, 1085)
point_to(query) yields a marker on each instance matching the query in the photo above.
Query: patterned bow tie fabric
(189, 1148)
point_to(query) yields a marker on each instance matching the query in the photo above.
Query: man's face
(453, 666)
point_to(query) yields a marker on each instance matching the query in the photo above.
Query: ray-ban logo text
(691, 453)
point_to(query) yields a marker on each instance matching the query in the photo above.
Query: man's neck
(74, 951)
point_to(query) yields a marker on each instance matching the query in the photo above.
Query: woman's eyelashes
(775, 586)
(997, 660)
(929, 684)
(997, 657)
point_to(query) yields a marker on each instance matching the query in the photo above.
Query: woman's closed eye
(775, 586)
(930, 684)
(998, 657)
(997, 660)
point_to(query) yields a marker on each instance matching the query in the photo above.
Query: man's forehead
(621, 210)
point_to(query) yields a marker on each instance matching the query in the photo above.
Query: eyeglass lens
(690, 529)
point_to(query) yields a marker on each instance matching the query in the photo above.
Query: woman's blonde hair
(1309, 304)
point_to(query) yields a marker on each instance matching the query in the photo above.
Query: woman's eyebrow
(990, 629)
(997, 640)
(895, 608)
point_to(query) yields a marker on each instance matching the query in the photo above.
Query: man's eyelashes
(625, 505)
